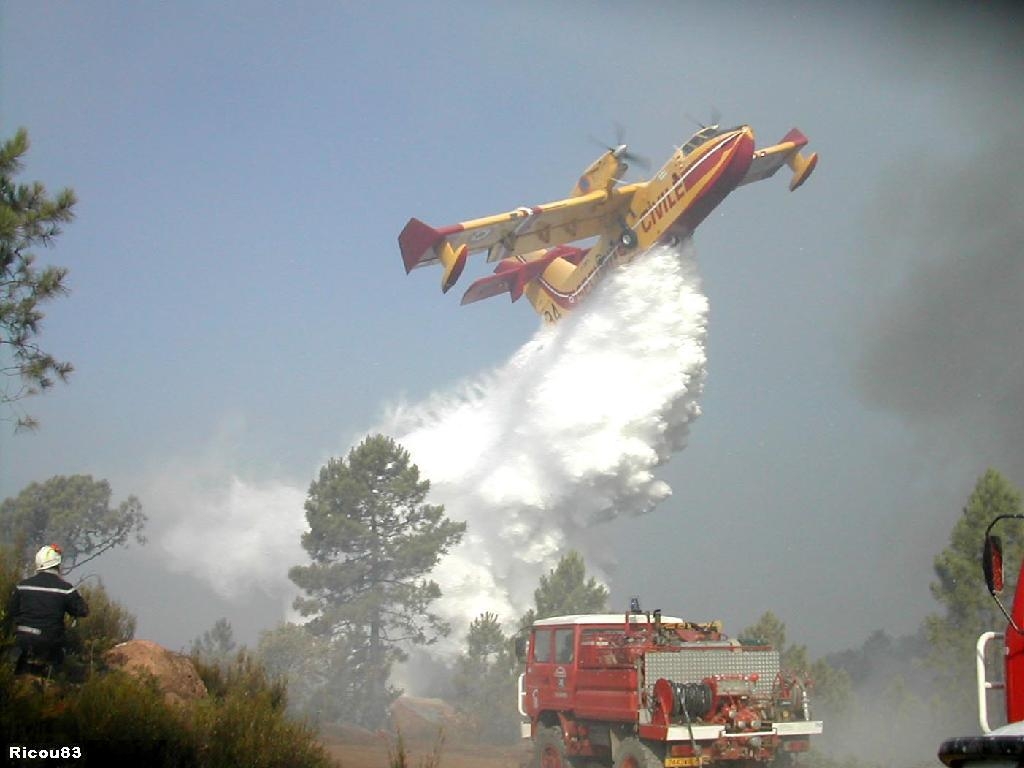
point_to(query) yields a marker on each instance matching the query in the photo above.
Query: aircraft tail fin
(419, 243)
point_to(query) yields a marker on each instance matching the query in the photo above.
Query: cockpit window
(705, 134)
(708, 132)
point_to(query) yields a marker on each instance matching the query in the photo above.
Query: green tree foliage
(291, 653)
(117, 718)
(881, 657)
(217, 644)
(243, 722)
(10, 574)
(767, 630)
(372, 540)
(484, 679)
(242, 675)
(74, 511)
(566, 590)
(28, 218)
(315, 669)
(968, 609)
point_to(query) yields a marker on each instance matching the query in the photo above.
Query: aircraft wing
(516, 232)
(768, 160)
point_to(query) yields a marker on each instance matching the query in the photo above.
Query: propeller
(621, 150)
(716, 118)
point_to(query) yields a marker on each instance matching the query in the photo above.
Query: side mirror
(992, 564)
(522, 646)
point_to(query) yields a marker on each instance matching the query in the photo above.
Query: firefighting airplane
(531, 245)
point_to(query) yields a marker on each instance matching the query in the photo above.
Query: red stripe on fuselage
(728, 176)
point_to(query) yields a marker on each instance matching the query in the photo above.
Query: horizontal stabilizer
(801, 167)
(787, 152)
(512, 275)
(486, 287)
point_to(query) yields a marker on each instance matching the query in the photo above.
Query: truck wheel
(549, 749)
(634, 753)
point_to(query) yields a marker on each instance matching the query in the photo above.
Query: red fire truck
(640, 690)
(1004, 745)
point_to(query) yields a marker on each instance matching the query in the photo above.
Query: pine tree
(28, 218)
(485, 676)
(373, 540)
(566, 590)
(217, 644)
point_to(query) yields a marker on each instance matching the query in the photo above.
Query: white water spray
(566, 435)
(532, 455)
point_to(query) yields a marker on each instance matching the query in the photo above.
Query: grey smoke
(943, 343)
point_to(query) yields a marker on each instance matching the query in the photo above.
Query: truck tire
(549, 748)
(634, 753)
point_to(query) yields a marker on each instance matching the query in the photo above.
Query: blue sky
(239, 307)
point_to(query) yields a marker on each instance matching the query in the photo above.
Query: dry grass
(384, 751)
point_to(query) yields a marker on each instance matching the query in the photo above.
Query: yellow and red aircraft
(531, 245)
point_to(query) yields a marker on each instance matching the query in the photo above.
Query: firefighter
(36, 612)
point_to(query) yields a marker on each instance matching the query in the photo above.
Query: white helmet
(48, 557)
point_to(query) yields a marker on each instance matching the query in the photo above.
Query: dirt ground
(373, 753)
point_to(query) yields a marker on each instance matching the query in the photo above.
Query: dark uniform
(36, 611)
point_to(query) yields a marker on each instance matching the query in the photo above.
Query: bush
(10, 574)
(243, 675)
(107, 624)
(250, 729)
(398, 757)
(243, 722)
(115, 716)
